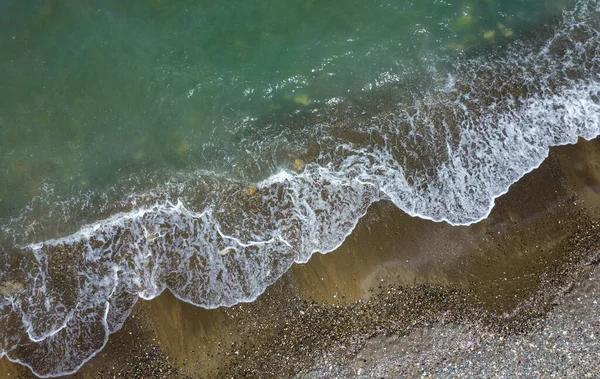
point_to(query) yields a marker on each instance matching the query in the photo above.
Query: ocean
(204, 147)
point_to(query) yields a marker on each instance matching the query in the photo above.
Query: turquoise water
(205, 147)
(95, 91)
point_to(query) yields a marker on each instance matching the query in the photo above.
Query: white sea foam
(443, 157)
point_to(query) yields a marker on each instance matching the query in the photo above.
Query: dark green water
(95, 91)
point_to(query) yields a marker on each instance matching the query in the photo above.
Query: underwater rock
(506, 32)
(302, 99)
(298, 164)
(488, 35)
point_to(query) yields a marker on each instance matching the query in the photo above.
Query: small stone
(251, 189)
(226, 250)
(10, 287)
(298, 164)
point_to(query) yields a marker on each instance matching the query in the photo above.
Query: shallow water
(205, 148)
(94, 92)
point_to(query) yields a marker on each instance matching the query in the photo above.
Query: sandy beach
(401, 297)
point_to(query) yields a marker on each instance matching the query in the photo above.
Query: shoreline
(393, 276)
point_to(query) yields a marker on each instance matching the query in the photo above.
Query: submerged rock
(301, 99)
(506, 32)
(227, 250)
(490, 34)
(464, 21)
(455, 46)
(298, 165)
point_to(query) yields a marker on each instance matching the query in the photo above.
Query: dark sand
(394, 277)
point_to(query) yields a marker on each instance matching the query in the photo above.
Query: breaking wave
(216, 240)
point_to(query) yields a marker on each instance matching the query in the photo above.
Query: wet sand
(394, 277)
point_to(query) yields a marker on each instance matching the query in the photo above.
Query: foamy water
(444, 155)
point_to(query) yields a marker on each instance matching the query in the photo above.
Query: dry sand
(395, 277)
